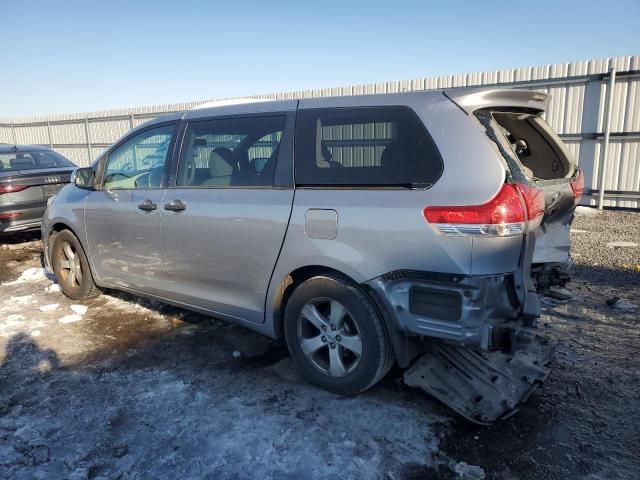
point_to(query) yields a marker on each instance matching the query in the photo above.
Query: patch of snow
(79, 309)
(15, 319)
(622, 244)
(23, 300)
(54, 287)
(70, 319)
(49, 308)
(33, 274)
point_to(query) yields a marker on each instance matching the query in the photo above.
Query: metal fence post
(607, 132)
(131, 122)
(13, 132)
(49, 132)
(86, 131)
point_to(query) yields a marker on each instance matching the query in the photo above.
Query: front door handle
(175, 206)
(148, 206)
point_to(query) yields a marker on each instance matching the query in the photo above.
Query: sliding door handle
(175, 206)
(148, 206)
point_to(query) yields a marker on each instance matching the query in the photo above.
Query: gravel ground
(595, 236)
(134, 389)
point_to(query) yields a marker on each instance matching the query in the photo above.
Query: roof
(468, 99)
(10, 148)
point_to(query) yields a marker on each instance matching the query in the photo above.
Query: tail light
(505, 214)
(7, 188)
(9, 215)
(578, 187)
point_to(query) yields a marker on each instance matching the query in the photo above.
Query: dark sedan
(29, 176)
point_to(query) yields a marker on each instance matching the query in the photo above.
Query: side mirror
(84, 178)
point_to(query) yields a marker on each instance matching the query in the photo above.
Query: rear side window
(230, 152)
(367, 146)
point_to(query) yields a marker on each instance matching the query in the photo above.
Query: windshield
(21, 160)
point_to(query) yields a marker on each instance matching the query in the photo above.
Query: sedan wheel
(71, 267)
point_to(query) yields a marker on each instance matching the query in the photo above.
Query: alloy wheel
(329, 337)
(70, 265)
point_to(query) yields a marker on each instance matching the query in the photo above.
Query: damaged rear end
(499, 358)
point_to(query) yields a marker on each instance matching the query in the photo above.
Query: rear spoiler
(471, 99)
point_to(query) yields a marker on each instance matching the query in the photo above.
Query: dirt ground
(134, 389)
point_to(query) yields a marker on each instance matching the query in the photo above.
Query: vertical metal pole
(607, 132)
(131, 122)
(49, 132)
(86, 131)
(13, 132)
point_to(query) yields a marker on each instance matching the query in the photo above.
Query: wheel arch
(289, 283)
(405, 348)
(56, 228)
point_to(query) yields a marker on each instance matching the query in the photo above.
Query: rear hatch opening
(536, 156)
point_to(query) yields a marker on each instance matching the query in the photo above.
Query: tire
(71, 267)
(327, 320)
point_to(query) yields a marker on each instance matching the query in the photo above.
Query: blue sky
(68, 56)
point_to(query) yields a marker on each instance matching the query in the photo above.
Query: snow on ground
(121, 387)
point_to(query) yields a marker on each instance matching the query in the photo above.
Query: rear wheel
(71, 267)
(335, 335)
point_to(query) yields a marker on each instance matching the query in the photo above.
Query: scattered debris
(620, 304)
(49, 308)
(587, 211)
(559, 293)
(79, 309)
(471, 472)
(622, 244)
(70, 319)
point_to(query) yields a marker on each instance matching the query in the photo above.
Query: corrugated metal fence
(583, 106)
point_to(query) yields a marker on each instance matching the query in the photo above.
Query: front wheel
(71, 267)
(335, 335)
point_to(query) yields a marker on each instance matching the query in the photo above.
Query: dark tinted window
(230, 152)
(364, 146)
(30, 160)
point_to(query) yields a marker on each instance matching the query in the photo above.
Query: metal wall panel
(577, 111)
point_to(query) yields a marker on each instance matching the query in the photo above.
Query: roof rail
(230, 101)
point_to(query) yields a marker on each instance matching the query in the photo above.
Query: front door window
(140, 162)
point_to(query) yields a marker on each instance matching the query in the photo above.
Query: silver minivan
(416, 229)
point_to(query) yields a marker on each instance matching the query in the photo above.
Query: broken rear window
(540, 151)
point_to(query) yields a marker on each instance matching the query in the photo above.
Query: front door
(224, 222)
(122, 216)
